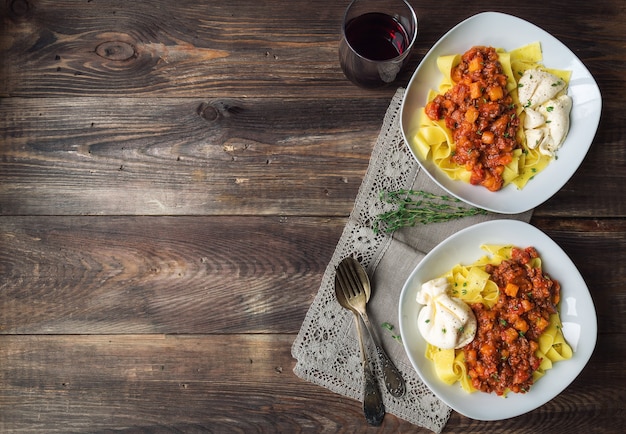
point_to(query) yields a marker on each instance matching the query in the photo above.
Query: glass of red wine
(376, 39)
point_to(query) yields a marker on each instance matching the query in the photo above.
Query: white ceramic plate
(577, 313)
(508, 32)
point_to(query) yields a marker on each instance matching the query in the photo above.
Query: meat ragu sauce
(502, 355)
(481, 114)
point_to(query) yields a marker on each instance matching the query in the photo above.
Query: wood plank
(173, 156)
(239, 48)
(226, 383)
(176, 48)
(185, 156)
(161, 275)
(232, 274)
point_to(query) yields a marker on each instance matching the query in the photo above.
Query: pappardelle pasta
(518, 336)
(472, 126)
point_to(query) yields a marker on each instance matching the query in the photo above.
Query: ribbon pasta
(472, 284)
(433, 139)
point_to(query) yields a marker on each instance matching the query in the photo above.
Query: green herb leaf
(417, 206)
(390, 328)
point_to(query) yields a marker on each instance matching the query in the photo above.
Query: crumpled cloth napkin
(326, 348)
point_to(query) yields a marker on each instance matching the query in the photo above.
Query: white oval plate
(577, 313)
(508, 32)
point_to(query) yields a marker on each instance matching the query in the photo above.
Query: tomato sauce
(482, 116)
(502, 357)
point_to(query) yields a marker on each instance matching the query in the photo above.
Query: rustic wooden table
(174, 177)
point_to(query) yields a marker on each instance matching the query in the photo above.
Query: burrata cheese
(444, 321)
(547, 110)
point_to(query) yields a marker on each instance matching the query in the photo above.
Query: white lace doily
(326, 348)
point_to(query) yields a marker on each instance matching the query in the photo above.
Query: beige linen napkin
(326, 348)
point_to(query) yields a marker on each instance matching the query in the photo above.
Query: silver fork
(373, 406)
(354, 282)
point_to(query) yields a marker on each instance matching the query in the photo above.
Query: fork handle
(394, 381)
(373, 406)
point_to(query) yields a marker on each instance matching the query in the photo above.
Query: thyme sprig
(418, 206)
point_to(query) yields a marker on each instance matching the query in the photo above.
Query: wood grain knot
(218, 109)
(207, 112)
(116, 50)
(19, 8)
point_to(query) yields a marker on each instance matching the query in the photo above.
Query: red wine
(377, 36)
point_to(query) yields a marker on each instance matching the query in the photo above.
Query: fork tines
(348, 277)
